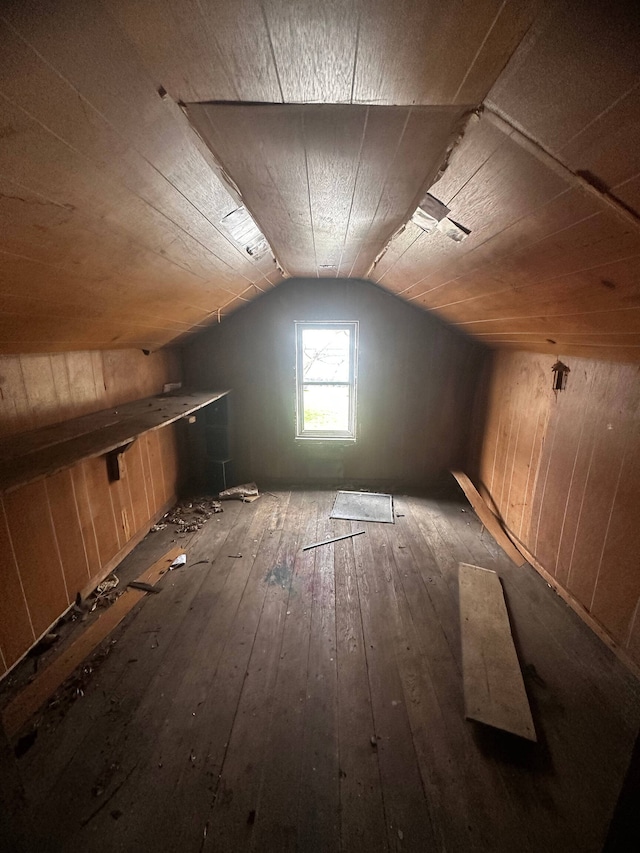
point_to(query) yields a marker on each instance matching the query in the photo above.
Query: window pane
(325, 355)
(326, 407)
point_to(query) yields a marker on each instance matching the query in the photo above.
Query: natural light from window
(326, 379)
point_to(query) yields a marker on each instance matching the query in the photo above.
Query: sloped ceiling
(111, 201)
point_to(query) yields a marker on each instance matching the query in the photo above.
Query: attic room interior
(385, 253)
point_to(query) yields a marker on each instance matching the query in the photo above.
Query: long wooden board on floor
(488, 518)
(494, 691)
(35, 694)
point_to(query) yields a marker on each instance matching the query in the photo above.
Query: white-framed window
(326, 379)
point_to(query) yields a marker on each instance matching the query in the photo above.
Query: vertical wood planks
(562, 469)
(58, 535)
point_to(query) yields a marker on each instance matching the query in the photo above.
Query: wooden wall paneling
(560, 52)
(258, 146)
(334, 150)
(13, 396)
(573, 478)
(382, 132)
(82, 69)
(604, 465)
(574, 562)
(35, 548)
(157, 445)
(433, 53)
(404, 171)
(597, 150)
(168, 440)
(570, 410)
(85, 515)
(152, 476)
(16, 628)
(273, 179)
(101, 507)
(81, 378)
(397, 247)
(41, 391)
(67, 526)
(504, 33)
(315, 48)
(199, 52)
(136, 483)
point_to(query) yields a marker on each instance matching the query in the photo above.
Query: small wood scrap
(494, 691)
(335, 539)
(50, 679)
(145, 587)
(488, 518)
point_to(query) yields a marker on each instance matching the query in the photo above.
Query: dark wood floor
(312, 701)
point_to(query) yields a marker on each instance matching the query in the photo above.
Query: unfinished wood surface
(111, 205)
(488, 518)
(32, 456)
(561, 469)
(494, 692)
(328, 184)
(30, 700)
(39, 390)
(246, 696)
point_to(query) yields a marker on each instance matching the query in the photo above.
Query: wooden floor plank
(189, 748)
(436, 704)
(568, 708)
(319, 796)
(121, 772)
(233, 814)
(236, 709)
(405, 803)
(276, 815)
(131, 665)
(493, 686)
(361, 804)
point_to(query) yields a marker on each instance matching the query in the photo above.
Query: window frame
(352, 383)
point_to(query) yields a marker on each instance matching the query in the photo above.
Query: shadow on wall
(416, 379)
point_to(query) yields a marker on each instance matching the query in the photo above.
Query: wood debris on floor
(278, 699)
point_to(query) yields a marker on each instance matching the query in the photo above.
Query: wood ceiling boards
(548, 266)
(111, 205)
(329, 184)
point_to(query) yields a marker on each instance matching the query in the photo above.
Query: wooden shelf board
(42, 452)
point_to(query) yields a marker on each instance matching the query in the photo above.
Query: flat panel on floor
(363, 506)
(494, 691)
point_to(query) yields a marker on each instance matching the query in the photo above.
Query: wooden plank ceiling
(329, 184)
(111, 203)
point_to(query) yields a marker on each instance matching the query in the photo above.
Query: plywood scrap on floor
(363, 506)
(494, 691)
(20, 710)
(488, 518)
